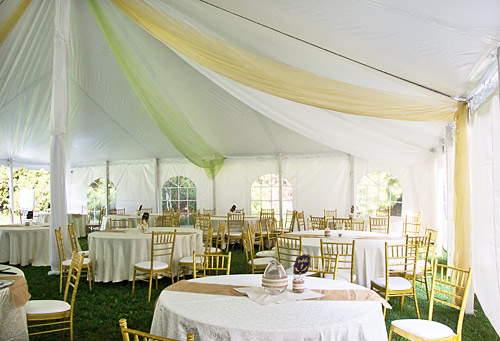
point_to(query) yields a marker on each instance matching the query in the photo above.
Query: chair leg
(390, 333)
(150, 285)
(60, 280)
(172, 275)
(402, 302)
(133, 283)
(415, 298)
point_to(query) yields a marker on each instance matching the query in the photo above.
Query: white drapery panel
(58, 130)
(485, 206)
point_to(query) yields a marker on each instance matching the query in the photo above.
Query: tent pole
(214, 193)
(157, 186)
(353, 185)
(106, 186)
(58, 130)
(280, 179)
(11, 190)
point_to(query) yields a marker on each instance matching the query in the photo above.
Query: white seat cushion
(157, 265)
(189, 260)
(422, 263)
(267, 253)
(395, 283)
(402, 268)
(215, 250)
(67, 262)
(47, 307)
(261, 261)
(424, 329)
(235, 234)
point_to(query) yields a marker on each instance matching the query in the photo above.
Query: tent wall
(319, 182)
(485, 199)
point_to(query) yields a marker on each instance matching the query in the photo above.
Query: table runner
(229, 290)
(19, 293)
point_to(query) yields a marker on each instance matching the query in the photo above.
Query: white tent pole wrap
(157, 185)
(280, 174)
(11, 190)
(106, 185)
(58, 128)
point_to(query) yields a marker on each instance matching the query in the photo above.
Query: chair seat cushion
(189, 260)
(215, 250)
(422, 263)
(235, 234)
(157, 265)
(266, 253)
(395, 283)
(402, 268)
(261, 261)
(424, 329)
(36, 307)
(67, 262)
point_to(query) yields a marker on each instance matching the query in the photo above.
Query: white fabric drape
(58, 128)
(485, 206)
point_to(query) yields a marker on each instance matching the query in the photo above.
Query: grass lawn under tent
(97, 312)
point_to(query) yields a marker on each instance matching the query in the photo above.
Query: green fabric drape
(167, 119)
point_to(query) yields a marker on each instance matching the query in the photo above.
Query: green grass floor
(97, 312)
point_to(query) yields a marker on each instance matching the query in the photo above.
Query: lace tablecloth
(218, 317)
(24, 245)
(369, 254)
(132, 218)
(115, 253)
(12, 320)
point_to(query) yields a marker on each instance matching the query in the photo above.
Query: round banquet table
(115, 253)
(78, 220)
(369, 252)
(12, 320)
(219, 317)
(132, 218)
(24, 245)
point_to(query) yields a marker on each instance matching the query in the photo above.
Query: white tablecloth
(78, 220)
(114, 254)
(395, 224)
(24, 245)
(133, 218)
(218, 317)
(12, 320)
(369, 254)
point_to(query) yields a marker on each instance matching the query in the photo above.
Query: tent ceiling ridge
(26, 88)
(336, 53)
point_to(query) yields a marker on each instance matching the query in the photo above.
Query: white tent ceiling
(446, 47)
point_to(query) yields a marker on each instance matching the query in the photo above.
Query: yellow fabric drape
(288, 82)
(279, 79)
(12, 20)
(461, 203)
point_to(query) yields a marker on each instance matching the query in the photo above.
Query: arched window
(379, 191)
(96, 197)
(179, 193)
(265, 194)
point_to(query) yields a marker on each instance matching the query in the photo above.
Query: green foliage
(39, 180)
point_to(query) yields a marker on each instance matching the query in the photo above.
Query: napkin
(259, 295)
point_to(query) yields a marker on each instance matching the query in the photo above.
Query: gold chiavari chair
(425, 263)
(254, 265)
(452, 287)
(95, 226)
(342, 223)
(137, 334)
(162, 246)
(185, 264)
(75, 245)
(119, 224)
(48, 314)
(176, 218)
(317, 223)
(329, 215)
(203, 222)
(218, 240)
(423, 246)
(358, 225)
(235, 226)
(256, 231)
(412, 224)
(273, 230)
(194, 216)
(211, 264)
(301, 221)
(380, 225)
(400, 281)
(288, 250)
(165, 220)
(209, 211)
(324, 267)
(382, 213)
(65, 264)
(344, 254)
(116, 211)
(289, 220)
